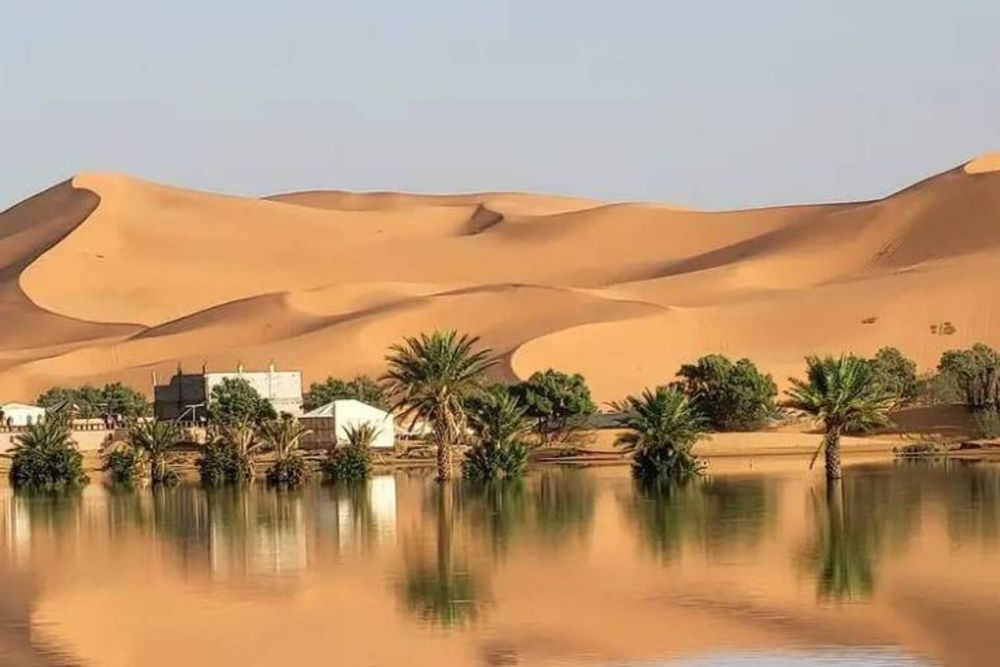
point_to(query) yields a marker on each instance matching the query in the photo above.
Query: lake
(568, 567)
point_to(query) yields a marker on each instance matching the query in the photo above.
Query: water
(571, 567)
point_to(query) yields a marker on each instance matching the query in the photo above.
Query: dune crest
(108, 277)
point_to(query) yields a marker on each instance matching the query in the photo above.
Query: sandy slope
(109, 277)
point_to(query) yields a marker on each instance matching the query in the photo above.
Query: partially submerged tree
(282, 436)
(234, 400)
(351, 461)
(731, 396)
(155, 438)
(46, 459)
(559, 403)
(231, 453)
(360, 388)
(430, 378)
(500, 425)
(843, 394)
(661, 426)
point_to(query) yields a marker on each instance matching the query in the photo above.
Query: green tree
(896, 373)
(361, 388)
(977, 374)
(500, 425)
(90, 402)
(155, 438)
(431, 378)
(731, 396)
(559, 403)
(845, 395)
(351, 462)
(234, 400)
(661, 427)
(46, 459)
(231, 453)
(282, 436)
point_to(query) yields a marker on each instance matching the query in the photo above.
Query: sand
(108, 277)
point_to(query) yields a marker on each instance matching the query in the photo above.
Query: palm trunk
(444, 463)
(833, 467)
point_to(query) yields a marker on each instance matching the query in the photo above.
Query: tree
(431, 378)
(361, 388)
(731, 396)
(46, 459)
(89, 402)
(896, 373)
(977, 374)
(500, 425)
(559, 403)
(155, 438)
(661, 426)
(845, 395)
(282, 436)
(231, 452)
(234, 400)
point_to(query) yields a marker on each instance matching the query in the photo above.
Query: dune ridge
(107, 277)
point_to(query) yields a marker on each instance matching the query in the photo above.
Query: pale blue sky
(711, 103)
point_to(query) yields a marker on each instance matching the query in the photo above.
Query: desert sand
(107, 277)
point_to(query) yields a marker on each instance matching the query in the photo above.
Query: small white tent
(21, 414)
(330, 422)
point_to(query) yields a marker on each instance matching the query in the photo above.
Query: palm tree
(242, 436)
(431, 377)
(843, 393)
(361, 435)
(45, 458)
(282, 436)
(500, 424)
(155, 438)
(660, 426)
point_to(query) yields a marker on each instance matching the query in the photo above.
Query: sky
(707, 103)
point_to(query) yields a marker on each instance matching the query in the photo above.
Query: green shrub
(45, 459)
(349, 463)
(123, 465)
(89, 401)
(730, 396)
(661, 426)
(290, 471)
(485, 463)
(361, 388)
(939, 389)
(221, 463)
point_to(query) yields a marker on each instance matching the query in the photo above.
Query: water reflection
(535, 569)
(719, 514)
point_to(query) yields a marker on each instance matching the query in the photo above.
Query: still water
(569, 567)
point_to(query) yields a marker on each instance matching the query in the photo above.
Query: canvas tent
(329, 423)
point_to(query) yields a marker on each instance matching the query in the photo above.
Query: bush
(361, 388)
(486, 463)
(123, 465)
(661, 426)
(896, 373)
(290, 471)
(221, 464)
(938, 389)
(730, 396)
(350, 463)
(45, 459)
(560, 404)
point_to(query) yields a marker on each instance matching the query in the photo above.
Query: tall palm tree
(155, 438)
(845, 395)
(660, 426)
(431, 377)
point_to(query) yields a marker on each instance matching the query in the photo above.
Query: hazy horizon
(714, 105)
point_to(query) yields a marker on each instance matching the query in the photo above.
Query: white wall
(22, 415)
(282, 388)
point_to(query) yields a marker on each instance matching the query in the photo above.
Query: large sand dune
(108, 277)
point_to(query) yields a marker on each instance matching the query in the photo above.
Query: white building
(187, 395)
(21, 414)
(329, 424)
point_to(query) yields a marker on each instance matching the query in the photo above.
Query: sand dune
(109, 277)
